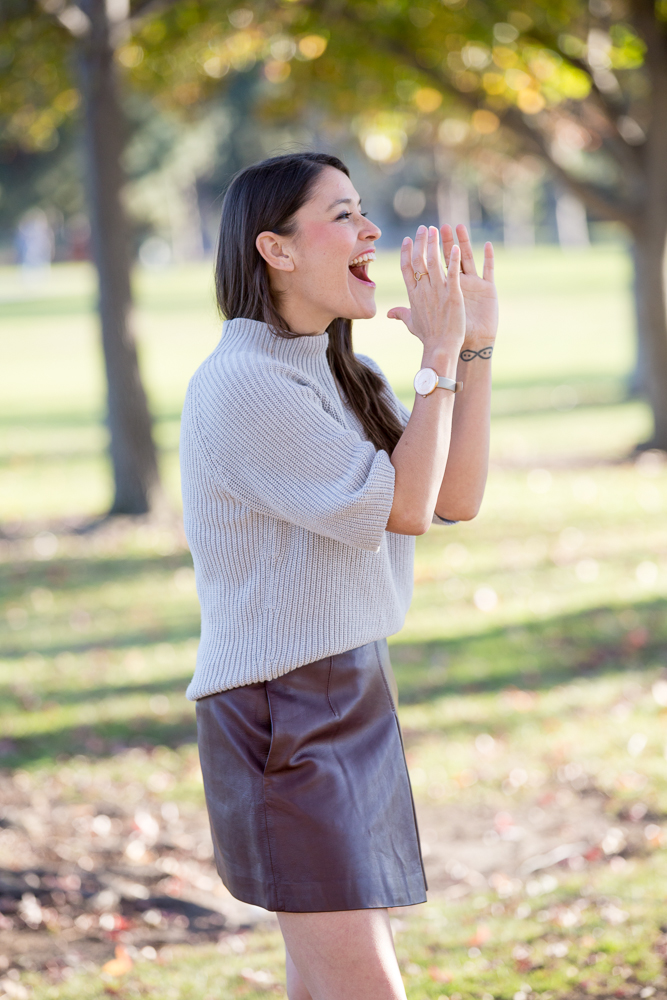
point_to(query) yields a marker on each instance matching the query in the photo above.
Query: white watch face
(425, 381)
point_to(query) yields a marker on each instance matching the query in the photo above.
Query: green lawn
(532, 666)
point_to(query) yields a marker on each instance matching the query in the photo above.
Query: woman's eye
(344, 215)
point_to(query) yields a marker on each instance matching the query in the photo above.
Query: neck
(303, 317)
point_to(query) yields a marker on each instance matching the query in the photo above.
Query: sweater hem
(199, 688)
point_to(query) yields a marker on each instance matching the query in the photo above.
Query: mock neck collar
(237, 333)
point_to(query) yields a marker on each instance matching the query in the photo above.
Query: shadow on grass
(536, 656)
(74, 574)
(173, 632)
(102, 740)
(10, 697)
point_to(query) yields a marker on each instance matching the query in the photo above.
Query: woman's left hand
(479, 293)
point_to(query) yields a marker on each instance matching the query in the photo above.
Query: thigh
(344, 954)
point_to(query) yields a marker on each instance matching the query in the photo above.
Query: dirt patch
(468, 846)
(80, 879)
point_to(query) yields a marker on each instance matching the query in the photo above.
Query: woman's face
(321, 272)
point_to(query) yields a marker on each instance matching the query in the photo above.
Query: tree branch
(596, 198)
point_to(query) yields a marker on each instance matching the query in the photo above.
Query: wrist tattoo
(468, 355)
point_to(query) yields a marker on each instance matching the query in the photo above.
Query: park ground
(532, 668)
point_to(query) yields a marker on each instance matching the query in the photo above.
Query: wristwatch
(427, 381)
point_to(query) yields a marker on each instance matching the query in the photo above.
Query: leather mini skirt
(308, 791)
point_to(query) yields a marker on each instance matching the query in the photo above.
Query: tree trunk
(637, 381)
(650, 232)
(649, 279)
(132, 449)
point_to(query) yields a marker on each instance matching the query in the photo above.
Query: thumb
(402, 313)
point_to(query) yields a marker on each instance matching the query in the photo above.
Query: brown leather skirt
(308, 791)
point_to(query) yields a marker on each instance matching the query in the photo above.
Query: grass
(531, 667)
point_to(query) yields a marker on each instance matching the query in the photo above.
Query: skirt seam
(266, 810)
(336, 715)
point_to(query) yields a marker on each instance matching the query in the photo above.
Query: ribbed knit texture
(285, 506)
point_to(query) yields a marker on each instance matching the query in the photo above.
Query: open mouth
(359, 267)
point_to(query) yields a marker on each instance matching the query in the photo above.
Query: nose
(372, 232)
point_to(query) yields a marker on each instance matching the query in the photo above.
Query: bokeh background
(533, 664)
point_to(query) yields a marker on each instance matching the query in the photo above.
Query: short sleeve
(270, 441)
(441, 520)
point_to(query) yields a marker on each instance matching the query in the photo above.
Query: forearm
(421, 455)
(462, 487)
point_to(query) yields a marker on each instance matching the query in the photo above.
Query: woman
(304, 484)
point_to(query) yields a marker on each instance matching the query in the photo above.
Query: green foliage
(390, 71)
(37, 94)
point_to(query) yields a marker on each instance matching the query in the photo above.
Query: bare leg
(344, 955)
(296, 988)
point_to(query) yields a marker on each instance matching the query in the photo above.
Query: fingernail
(406, 239)
(422, 229)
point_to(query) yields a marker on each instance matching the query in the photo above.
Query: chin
(366, 313)
(359, 306)
(358, 312)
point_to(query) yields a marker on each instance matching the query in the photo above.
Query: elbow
(465, 513)
(420, 527)
(408, 524)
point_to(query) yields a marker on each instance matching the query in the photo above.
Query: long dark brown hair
(263, 197)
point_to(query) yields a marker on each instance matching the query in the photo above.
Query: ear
(274, 251)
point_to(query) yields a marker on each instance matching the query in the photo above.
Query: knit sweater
(285, 507)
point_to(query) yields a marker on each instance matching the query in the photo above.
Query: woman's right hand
(437, 313)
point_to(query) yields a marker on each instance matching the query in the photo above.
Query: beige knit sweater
(285, 507)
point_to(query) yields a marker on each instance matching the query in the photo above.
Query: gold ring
(419, 274)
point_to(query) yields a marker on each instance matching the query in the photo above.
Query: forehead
(332, 186)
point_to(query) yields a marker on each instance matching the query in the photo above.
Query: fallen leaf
(440, 975)
(259, 977)
(637, 638)
(119, 965)
(481, 936)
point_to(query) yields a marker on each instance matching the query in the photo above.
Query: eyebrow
(341, 201)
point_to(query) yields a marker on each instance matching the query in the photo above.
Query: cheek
(327, 249)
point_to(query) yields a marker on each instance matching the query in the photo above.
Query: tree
(52, 53)
(131, 445)
(78, 43)
(582, 85)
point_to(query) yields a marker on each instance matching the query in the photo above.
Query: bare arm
(462, 488)
(441, 460)
(437, 318)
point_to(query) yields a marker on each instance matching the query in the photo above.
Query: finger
(467, 256)
(402, 313)
(433, 257)
(487, 273)
(454, 269)
(448, 240)
(419, 251)
(407, 270)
